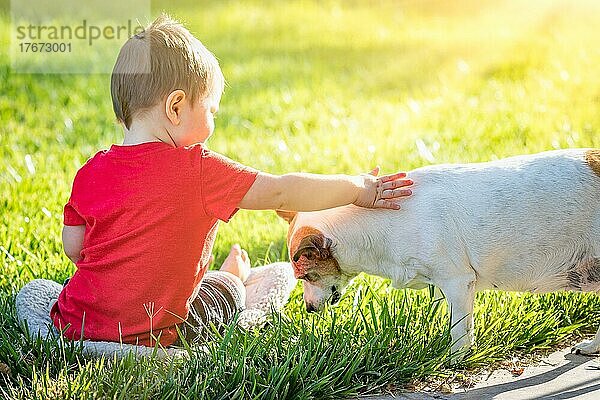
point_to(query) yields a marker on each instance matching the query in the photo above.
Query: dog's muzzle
(335, 295)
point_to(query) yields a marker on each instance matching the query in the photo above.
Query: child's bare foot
(237, 263)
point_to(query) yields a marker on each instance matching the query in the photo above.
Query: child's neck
(129, 140)
(142, 132)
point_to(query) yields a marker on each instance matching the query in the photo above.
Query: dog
(526, 223)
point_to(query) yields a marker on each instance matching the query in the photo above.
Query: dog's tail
(592, 158)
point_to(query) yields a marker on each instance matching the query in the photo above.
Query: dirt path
(561, 375)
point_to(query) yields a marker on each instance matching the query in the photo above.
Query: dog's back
(524, 223)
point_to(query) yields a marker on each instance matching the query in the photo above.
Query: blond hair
(162, 58)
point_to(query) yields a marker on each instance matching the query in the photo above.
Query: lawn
(324, 87)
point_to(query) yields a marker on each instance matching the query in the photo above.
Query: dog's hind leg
(592, 346)
(588, 346)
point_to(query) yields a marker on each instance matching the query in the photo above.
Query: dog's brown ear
(287, 215)
(312, 247)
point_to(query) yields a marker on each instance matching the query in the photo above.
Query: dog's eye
(311, 277)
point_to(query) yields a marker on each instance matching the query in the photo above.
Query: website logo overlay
(68, 36)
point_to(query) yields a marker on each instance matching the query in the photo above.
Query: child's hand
(383, 191)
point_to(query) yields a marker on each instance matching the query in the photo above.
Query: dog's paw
(587, 347)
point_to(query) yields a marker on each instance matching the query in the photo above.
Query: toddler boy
(142, 216)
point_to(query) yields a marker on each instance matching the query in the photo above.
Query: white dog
(527, 223)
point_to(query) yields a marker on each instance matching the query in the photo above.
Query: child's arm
(72, 237)
(310, 192)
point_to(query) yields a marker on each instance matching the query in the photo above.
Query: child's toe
(236, 250)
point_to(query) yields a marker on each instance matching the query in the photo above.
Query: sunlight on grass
(327, 87)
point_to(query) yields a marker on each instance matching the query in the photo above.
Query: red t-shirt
(150, 213)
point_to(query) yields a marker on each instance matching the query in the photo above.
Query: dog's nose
(310, 308)
(335, 295)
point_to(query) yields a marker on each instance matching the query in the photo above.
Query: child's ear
(287, 215)
(174, 106)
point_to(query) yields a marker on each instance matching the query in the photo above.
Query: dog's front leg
(460, 295)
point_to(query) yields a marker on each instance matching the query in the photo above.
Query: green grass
(327, 87)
